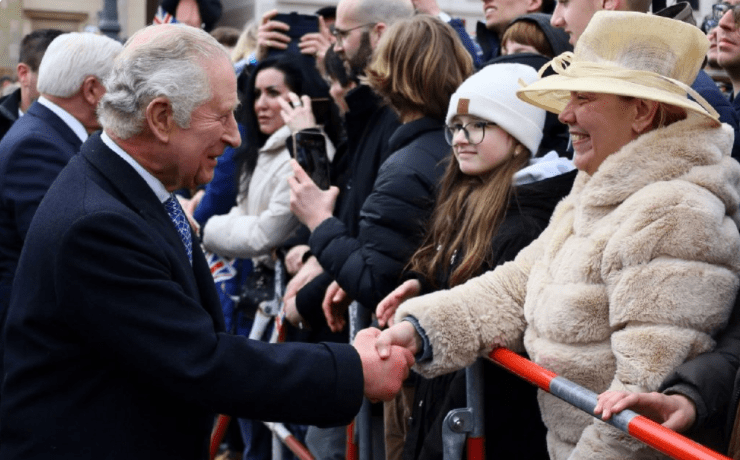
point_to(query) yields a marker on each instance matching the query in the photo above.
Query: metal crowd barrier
(267, 313)
(465, 424)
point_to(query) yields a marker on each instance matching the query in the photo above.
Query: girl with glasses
(494, 199)
(638, 266)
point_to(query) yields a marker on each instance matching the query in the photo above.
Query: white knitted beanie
(490, 94)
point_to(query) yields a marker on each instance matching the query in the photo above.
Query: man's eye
(480, 124)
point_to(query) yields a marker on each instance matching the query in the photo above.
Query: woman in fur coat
(640, 262)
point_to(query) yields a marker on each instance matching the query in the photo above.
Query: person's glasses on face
(474, 131)
(709, 24)
(719, 10)
(341, 35)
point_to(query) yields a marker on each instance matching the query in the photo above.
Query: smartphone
(312, 158)
(320, 106)
(300, 24)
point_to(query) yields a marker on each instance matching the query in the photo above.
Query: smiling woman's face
(599, 125)
(478, 159)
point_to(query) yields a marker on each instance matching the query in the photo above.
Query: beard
(361, 58)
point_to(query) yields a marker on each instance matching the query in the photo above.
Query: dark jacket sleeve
(391, 227)
(709, 381)
(165, 337)
(309, 298)
(707, 88)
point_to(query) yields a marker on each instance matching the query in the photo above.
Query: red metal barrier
(653, 434)
(217, 436)
(352, 451)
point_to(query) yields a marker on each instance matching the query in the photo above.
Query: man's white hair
(169, 64)
(72, 57)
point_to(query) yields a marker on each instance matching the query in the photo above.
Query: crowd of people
(565, 184)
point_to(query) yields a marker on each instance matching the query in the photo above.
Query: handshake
(386, 358)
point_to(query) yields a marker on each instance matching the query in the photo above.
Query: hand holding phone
(298, 26)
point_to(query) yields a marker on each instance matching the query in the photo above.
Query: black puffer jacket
(712, 382)
(370, 124)
(392, 219)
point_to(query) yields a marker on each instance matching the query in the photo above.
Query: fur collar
(685, 150)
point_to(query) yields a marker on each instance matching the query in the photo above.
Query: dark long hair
(300, 78)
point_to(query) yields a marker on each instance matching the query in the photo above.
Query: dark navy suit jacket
(115, 344)
(32, 154)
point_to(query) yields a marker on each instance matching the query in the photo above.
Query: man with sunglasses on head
(727, 17)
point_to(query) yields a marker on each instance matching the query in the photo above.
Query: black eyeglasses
(719, 10)
(474, 131)
(341, 35)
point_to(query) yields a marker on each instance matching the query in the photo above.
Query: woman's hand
(297, 113)
(335, 304)
(189, 206)
(294, 258)
(310, 270)
(308, 202)
(403, 335)
(387, 307)
(185, 206)
(674, 411)
(270, 35)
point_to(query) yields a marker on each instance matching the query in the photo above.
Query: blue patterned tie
(181, 224)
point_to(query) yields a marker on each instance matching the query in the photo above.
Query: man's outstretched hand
(383, 377)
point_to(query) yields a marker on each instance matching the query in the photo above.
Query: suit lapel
(135, 193)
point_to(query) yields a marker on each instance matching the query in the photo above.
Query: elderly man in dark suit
(39, 144)
(115, 342)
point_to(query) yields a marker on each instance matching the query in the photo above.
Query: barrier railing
(653, 434)
(269, 312)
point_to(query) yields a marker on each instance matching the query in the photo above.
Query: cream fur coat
(637, 268)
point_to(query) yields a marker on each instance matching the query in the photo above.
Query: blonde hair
(247, 42)
(407, 51)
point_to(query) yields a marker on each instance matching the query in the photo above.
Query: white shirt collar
(73, 123)
(154, 183)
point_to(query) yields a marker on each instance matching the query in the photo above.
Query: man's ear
(645, 113)
(376, 32)
(159, 119)
(534, 5)
(92, 90)
(24, 73)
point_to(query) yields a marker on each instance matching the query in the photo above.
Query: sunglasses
(719, 10)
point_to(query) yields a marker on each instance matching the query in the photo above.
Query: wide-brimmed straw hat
(628, 54)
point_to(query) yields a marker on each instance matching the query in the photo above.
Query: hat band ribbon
(565, 66)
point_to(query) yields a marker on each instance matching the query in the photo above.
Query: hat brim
(552, 93)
